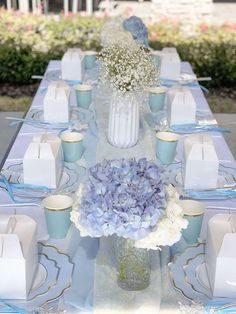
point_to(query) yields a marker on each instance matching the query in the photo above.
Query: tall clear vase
(123, 126)
(133, 265)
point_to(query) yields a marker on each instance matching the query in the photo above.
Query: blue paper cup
(72, 145)
(83, 95)
(166, 147)
(157, 97)
(193, 212)
(156, 55)
(57, 213)
(90, 59)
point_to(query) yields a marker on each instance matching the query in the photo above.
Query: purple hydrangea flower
(126, 197)
(137, 28)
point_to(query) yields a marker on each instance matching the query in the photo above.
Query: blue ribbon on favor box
(7, 308)
(10, 186)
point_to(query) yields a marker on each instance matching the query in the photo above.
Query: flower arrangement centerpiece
(129, 198)
(128, 68)
(138, 29)
(114, 26)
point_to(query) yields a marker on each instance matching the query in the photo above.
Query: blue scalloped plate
(189, 276)
(226, 176)
(47, 289)
(71, 178)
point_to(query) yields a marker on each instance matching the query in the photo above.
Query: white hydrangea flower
(168, 229)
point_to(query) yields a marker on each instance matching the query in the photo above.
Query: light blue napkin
(11, 186)
(217, 194)
(218, 303)
(6, 308)
(169, 83)
(196, 128)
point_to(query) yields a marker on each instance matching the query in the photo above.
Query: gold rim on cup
(158, 90)
(64, 199)
(192, 206)
(90, 53)
(163, 136)
(78, 137)
(83, 88)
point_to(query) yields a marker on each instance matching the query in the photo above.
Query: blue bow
(7, 308)
(11, 186)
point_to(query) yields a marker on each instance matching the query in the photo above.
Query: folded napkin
(169, 83)
(158, 122)
(7, 308)
(197, 128)
(217, 194)
(221, 307)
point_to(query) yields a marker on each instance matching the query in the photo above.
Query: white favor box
(170, 64)
(43, 161)
(72, 65)
(56, 102)
(18, 256)
(181, 106)
(220, 255)
(201, 164)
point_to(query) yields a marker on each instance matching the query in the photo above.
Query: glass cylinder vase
(133, 265)
(123, 126)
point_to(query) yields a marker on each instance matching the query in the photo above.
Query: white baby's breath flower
(127, 66)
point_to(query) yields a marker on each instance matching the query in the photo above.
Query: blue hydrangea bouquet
(129, 198)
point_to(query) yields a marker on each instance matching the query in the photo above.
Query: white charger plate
(158, 121)
(79, 118)
(189, 276)
(46, 289)
(71, 178)
(226, 175)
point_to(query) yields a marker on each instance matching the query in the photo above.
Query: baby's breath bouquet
(127, 67)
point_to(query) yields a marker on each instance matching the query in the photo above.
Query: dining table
(85, 280)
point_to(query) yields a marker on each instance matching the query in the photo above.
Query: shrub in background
(28, 42)
(211, 50)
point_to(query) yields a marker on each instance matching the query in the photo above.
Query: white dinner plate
(226, 175)
(189, 276)
(71, 178)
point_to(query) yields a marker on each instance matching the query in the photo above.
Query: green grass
(15, 104)
(221, 104)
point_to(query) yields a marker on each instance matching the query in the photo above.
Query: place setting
(175, 110)
(57, 113)
(73, 66)
(170, 70)
(48, 167)
(202, 271)
(199, 174)
(43, 274)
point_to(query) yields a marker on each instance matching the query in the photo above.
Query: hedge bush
(28, 42)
